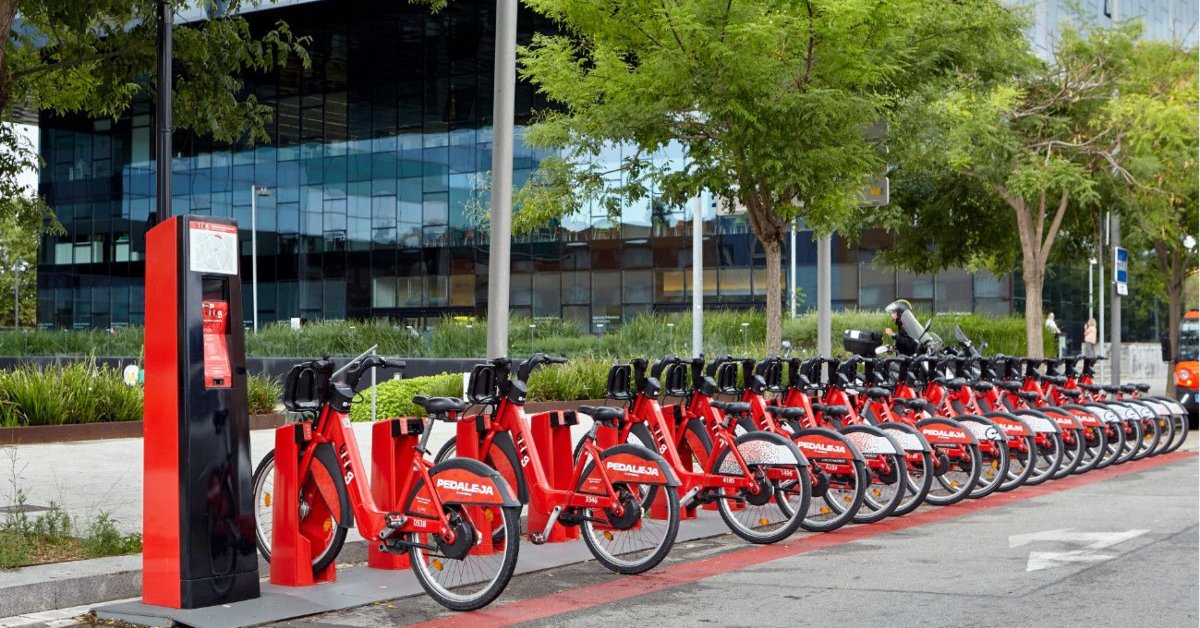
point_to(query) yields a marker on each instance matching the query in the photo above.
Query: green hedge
(86, 392)
(395, 396)
(648, 335)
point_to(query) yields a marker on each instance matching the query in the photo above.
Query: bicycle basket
(727, 379)
(676, 381)
(481, 387)
(302, 388)
(619, 377)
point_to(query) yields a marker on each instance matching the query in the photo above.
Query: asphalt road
(1113, 547)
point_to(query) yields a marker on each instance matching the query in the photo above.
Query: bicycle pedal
(395, 520)
(537, 538)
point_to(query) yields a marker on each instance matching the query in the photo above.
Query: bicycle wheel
(1114, 444)
(639, 434)
(1020, 462)
(1094, 445)
(633, 542)
(919, 481)
(837, 494)
(1151, 433)
(1181, 431)
(316, 518)
(885, 489)
(961, 471)
(1048, 455)
(460, 576)
(776, 511)
(994, 470)
(1133, 440)
(1167, 433)
(1072, 453)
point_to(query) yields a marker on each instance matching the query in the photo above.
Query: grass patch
(54, 536)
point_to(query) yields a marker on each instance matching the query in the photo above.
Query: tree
(769, 102)
(1158, 110)
(1039, 141)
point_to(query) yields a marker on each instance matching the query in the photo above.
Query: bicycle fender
(1064, 418)
(821, 443)
(632, 464)
(939, 431)
(871, 440)
(1173, 405)
(1012, 425)
(983, 428)
(1087, 417)
(908, 436)
(328, 459)
(763, 448)
(1106, 414)
(504, 442)
(1038, 421)
(465, 481)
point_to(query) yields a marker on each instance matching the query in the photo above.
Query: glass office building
(378, 153)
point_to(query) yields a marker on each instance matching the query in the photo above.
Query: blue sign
(1121, 270)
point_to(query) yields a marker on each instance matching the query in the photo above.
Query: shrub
(394, 396)
(263, 393)
(581, 378)
(77, 392)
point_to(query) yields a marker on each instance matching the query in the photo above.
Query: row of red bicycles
(773, 445)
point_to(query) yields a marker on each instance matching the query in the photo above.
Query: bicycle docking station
(551, 432)
(291, 548)
(393, 452)
(198, 516)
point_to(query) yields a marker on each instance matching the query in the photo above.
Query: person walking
(1089, 338)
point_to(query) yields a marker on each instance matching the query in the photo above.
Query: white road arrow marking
(1091, 541)
(1045, 560)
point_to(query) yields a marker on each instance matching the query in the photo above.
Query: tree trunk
(774, 252)
(1034, 328)
(1174, 318)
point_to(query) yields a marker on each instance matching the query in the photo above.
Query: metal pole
(17, 298)
(500, 253)
(1091, 314)
(1115, 352)
(697, 276)
(824, 296)
(1100, 283)
(254, 260)
(162, 116)
(792, 273)
(374, 391)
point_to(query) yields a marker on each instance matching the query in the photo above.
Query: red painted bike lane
(682, 574)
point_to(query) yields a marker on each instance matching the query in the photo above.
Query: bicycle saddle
(731, 407)
(1110, 388)
(1029, 395)
(1092, 387)
(956, 382)
(786, 412)
(1071, 392)
(982, 386)
(439, 406)
(1128, 388)
(604, 415)
(878, 393)
(1142, 387)
(1057, 380)
(825, 408)
(1010, 386)
(917, 404)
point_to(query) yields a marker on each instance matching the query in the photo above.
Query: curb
(52, 586)
(42, 434)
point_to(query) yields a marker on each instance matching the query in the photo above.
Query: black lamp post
(162, 117)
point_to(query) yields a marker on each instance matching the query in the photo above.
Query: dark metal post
(162, 114)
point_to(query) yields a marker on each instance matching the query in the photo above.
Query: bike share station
(200, 565)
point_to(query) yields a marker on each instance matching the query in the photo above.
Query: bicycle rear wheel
(1094, 445)
(635, 548)
(1072, 453)
(776, 511)
(961, 472)
(460, 576)
(885, 490)
(918, 482)
(1048, 455)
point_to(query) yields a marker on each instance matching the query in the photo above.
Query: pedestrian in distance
(1089, 338)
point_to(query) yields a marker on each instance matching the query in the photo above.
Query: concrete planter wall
(34, 434)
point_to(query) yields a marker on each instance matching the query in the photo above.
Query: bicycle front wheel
(316, 519)
(467, 579)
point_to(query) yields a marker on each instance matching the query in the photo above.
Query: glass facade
(376, 154)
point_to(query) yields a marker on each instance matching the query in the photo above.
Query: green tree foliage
(1158, 109)
(1029, 152)
(770, 102)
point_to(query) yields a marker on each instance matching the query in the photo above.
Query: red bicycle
(608, 487)
(760, 482)
(439, 523)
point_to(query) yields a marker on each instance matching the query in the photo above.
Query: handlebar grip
(557, 360)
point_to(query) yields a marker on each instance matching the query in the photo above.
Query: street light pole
(255, 192)
(163, 112)
(503, 104)
(697, 277)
